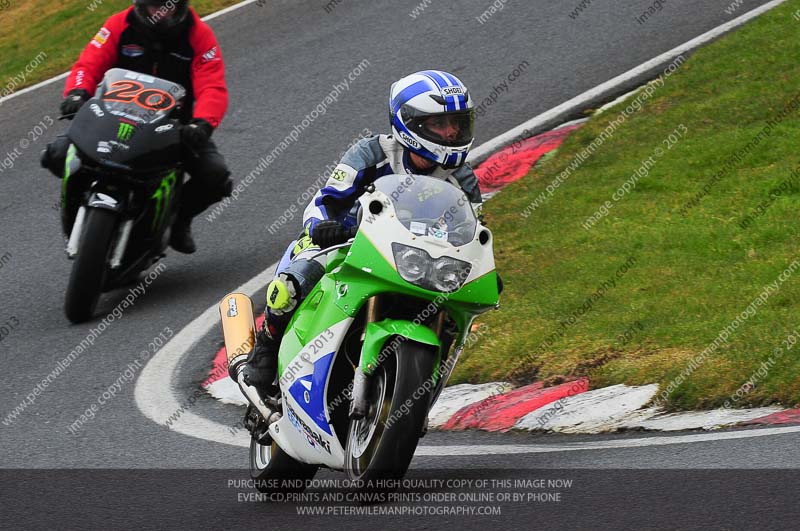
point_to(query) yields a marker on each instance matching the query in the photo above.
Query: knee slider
(292, 285)
(54, 156)
(281, 295)
(306, 274)
(46, 157)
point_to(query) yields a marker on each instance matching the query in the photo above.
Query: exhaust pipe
(239, 331)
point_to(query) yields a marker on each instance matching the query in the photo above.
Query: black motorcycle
(121, 184)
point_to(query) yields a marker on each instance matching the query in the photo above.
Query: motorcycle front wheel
(89, 268)
(382, 444)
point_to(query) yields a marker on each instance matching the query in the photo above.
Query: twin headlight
(417, 267)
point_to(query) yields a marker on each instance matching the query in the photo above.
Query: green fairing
(353, 277)
(316, 314)
(377, 334)
(72, 156)
(476, 297)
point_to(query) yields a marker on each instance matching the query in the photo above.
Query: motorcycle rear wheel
(276, 471)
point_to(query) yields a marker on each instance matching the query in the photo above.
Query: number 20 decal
(131, 91)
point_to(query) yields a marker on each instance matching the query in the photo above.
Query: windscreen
(431, 207)
(139, 97)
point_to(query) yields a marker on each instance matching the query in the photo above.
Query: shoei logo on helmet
(410, 141)
(233, 311)
(450, 91)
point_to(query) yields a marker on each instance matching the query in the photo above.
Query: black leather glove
(196, 133)
(329, 233)
(74, 101)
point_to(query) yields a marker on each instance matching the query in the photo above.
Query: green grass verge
(693, 274)
(51, 35)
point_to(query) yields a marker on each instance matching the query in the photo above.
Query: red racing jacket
(192, 58)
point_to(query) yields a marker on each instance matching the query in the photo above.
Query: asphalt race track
(283, 59)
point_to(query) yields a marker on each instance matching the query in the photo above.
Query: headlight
(417, 267)
(412, 263)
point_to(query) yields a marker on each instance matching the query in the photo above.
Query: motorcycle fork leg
(75, 235)
(361, 382)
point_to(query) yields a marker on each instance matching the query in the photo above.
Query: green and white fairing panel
(305, 431)
(433, 216)
(419, 237)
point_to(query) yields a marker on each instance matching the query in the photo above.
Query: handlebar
(348, 243)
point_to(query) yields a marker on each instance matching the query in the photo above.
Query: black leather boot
(262, 365)
(180, 238)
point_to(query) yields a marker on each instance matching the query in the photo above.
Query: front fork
(374, 348)
(358, 404)
(75, 235)
(103, 201)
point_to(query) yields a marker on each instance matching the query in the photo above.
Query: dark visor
(450, 129)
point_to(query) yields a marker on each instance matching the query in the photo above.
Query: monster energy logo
(125, 132)
(162, 196)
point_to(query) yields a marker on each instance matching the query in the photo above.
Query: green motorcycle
(370, 349)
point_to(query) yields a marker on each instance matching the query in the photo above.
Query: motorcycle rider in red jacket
(165, 39)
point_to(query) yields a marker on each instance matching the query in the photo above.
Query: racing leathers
(189, 55)
(296, 275)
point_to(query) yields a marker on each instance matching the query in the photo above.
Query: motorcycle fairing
(306, 433)
(317, 331)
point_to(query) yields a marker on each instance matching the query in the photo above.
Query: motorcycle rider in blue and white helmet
(432, 120)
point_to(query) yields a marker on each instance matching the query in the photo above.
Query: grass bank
(41, 38)
(671, 253)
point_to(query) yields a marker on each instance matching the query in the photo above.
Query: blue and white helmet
(421, 104)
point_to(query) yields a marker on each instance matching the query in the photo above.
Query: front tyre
(89, 268)
(382, 444)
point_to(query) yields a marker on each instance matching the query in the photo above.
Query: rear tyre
(382, 444)
(89, 268)
(273, 469)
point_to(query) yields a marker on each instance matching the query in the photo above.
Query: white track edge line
(153, 393)
(642, 442)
